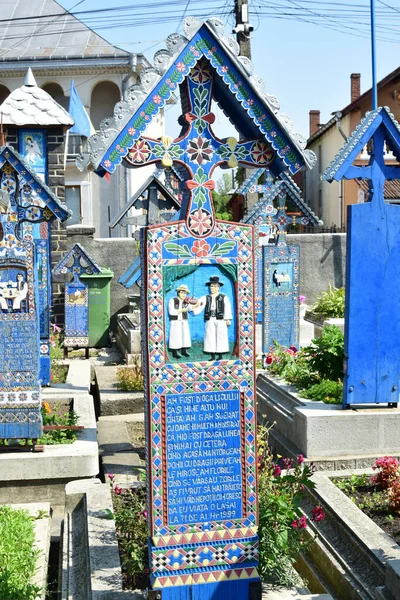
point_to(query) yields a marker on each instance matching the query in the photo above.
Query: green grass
(17, 556)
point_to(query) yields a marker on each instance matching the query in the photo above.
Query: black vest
(176, 306)
(219, 308)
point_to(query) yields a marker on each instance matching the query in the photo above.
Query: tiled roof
(28, 34)
(360, 136)
(30, 105)
(391, 189)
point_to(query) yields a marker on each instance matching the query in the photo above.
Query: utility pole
(243, 27)
(243, 30)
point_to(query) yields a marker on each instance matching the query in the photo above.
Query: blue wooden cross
(372, 314)
(199, 150)
(76, 262)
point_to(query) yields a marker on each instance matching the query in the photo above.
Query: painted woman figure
(179, 332)
(217, 317)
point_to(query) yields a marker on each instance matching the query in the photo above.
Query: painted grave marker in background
(76, 263)
(372, 313)
(26, 208)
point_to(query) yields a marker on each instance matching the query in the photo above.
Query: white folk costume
(179, 332)
(217, 310)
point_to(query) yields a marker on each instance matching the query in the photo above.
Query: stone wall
(322, 261)
(116, 254)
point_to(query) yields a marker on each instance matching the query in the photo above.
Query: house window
(73, 201)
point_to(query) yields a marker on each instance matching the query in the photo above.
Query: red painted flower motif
(200, 73)
(200, 221)
(199, 150)
(181, 67)
(262, 153)
(157, 99)
(200, 248)
(140, 152)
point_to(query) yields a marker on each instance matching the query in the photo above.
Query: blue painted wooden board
(227, 590)
(372, 318)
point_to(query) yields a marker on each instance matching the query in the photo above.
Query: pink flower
(145, 513)
(117, 490)
(300, 523)
(318, 514)
(55, 327)
(181, 67)
(287, 463)
(157, 99)
(110, 476)
(277, 471)
(302, 299)
(300, 459)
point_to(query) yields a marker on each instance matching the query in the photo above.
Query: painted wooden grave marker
(277, 263)
(372, 312)
(198, 314)
(76, 262)
(26, 208)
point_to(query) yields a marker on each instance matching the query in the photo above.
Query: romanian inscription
(204, 477)
(281, 324)
(18, 343)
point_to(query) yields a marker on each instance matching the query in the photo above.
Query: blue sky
(304, 65)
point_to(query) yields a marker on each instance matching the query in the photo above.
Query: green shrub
(327, 353)
(130, 379)
(130, 516)
(327, 391)
(330, 303)
(17, 556)
(281, 521)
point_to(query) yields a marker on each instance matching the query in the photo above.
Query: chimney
(314, 121)
(355, 88)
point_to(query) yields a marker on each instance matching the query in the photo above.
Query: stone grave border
(327, 435)
(92, 559)
(354, 556)
(63, 461)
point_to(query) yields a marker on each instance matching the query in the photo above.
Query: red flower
(200, 248)
(300, 523)
(277, 471)
(300, 459)
(269, 359)
(318, 514)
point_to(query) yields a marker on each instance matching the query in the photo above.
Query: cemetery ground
(312, 537)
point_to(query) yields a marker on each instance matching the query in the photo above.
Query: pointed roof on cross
(254, 113)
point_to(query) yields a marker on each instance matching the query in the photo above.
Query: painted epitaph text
(204, 478)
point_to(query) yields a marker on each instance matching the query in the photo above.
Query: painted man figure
(217, 316)
(179, 332)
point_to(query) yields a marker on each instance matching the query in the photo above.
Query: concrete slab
(91, 565)
(351, 553)
(60, 462)
(324, 433)
(112, 400)
(78, 378)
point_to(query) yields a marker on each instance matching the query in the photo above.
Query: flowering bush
(316, 370)
(130, 515)
(55, 415)
(388, 471)
(281, 521)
